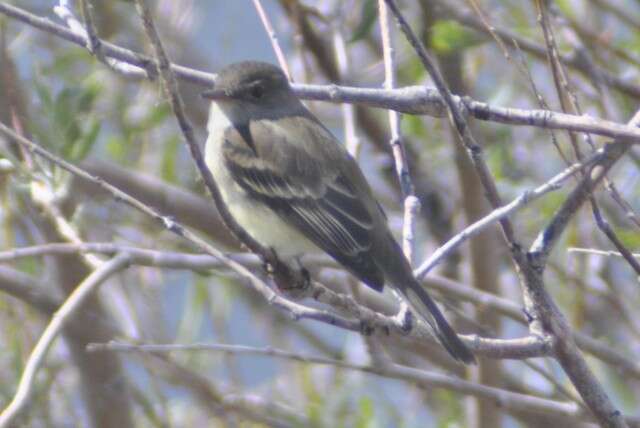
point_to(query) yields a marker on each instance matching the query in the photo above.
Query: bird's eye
(257, 91)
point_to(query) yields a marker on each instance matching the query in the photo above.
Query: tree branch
(412, 99)
(66, 311)
(506, 399)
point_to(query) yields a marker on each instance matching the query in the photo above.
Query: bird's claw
(404, 319)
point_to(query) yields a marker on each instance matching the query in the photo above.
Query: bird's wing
(312, 196)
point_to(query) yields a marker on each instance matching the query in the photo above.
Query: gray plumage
(293, 187)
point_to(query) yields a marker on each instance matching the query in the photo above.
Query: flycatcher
(294, 188)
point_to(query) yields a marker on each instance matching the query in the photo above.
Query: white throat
(258, 220)
(218, 119)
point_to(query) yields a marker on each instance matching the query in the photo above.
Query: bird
(290, 184)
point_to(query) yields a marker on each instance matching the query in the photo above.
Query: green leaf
(630, 238)
(74, 129)
(368, 15)
(85, 100)
(448, 408)
(366, 414)
(315, 401)
(64, 64)
(169, 159)
(155, 117)
(116, 147)
(63, 116)
(85, 144)
(44, 93)
(413, 126)
(449, 36)
(566, 8)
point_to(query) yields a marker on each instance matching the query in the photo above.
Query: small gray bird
(294, 188)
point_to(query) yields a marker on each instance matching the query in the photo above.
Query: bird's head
(252, 88)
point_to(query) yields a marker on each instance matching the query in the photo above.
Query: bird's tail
(420, 302)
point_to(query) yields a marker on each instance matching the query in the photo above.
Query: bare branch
(93, 43)
(296, 311)
(23, 287)
(519, 202)
(66, 311)
(459, 123)
(411, 203)
(413, 100)
(505, 399)
(549, 236)
(625, 86)
(273, 38)
(537, 300)
(352, 142)
(599, 252)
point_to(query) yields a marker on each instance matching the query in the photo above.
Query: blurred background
(121, 129)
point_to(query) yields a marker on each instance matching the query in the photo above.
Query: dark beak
(215, 94)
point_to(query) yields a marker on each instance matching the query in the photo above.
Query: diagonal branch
(508, 400)
(541, 307)
(506, 210)
(413, 100)
(455, 114)
(62, 315)
(283, 275)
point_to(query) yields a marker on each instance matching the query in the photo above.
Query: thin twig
(524, 199)
(546, 317)
(411, 203)
(43, 198)
(452, 11)
(296, 311)
(456, 117)
(66, 311)
(351, 140)
(93, 43)
(599, 252)
(569, 103)
(284, 276)
(413, 100)
(92, 32)
(273, 38)
(631, 215)
(140, 256)
(521, 66)
(506, 399)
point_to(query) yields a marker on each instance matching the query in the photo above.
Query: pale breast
(264, 225)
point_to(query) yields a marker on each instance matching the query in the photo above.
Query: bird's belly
(266, 227)
(258, 220)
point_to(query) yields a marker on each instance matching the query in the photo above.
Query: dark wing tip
(363, 267)
(456, 348)
(419, 298)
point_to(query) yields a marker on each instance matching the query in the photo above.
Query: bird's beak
(215, 94)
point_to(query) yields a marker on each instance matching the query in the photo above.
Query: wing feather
(325, 208)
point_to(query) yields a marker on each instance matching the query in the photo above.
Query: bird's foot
(404, 319)
(292, 281)
(366, 329)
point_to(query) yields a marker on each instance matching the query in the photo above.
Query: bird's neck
(219, 120)
(225, 114)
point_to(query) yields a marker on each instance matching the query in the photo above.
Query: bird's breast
(257, 219)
